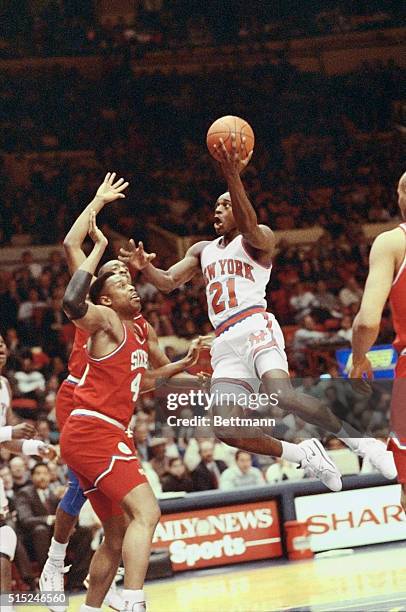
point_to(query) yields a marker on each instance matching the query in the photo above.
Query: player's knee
(73, 500)
(40, 530)
(8, 542)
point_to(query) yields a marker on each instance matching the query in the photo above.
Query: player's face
(116, 266)
(121, 296)
(224, 220)
(3, 352)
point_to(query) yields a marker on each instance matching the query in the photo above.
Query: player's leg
(142, 508)
(106, 559)
(52, 575)
(8, 543)
(270, 364)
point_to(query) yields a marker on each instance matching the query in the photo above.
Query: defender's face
(120, 295)
(118, 267)
(224, 220)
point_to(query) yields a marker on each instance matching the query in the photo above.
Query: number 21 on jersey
(223, 295)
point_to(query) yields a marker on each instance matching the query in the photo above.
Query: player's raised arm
(82, 312)
(260, 237)
(109, 191)
(366, 325)
(165, 280)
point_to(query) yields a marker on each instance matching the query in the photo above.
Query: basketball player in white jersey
(17, 439)
(249, 345)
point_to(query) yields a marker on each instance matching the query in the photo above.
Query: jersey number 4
(220, 289)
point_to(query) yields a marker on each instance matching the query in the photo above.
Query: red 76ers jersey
(110, 385)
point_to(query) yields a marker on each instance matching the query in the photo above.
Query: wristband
(31, 447)
(6, 433)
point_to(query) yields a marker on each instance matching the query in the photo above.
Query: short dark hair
(242, 452)
(37, 465)
(97, 286)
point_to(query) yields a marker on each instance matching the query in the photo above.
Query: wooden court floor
(373, 577)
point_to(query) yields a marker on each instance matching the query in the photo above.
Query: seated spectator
(206, 475)
(27, 261)
(177, 478)
(29, 382)
(27, 313)
(159, 460)
(302, 301)
(171, 449)
(20, 473)
(36, 506)
(142, 440)
(242, 474)
(345, 331)
(351, 293)
(283, 470)
(304, 337)
(326, 301)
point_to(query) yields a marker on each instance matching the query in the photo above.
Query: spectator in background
(177, 479)
(302, 301)
(142, 440)
(283, 470)
(27, 261)
(207, 474)
(19, 472)
(30, 384)
(326, 301)
(345, 331)
(159, 461)
(351, 293)
(242, 474)
(36, 508)
(304, 337)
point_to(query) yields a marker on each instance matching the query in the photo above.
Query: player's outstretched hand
(23, 431)
(135, 256)
(47, 452)
(360, 374)
(95, 233)
(237, 160)
(194, 349)
(110, 189)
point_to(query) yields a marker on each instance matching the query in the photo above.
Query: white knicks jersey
(234, 281)
(5, 400)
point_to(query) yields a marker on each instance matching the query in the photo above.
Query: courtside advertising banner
(220, 536)
(353, 518)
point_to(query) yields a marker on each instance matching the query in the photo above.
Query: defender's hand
(95, 233)
(111, 190)
(135, 256)
(22, 431)
(48, 452)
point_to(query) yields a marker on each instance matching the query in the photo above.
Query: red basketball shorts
(397, 443)
(104, 459)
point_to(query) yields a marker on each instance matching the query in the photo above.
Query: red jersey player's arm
(165, 280)
(382, 264)
(172, 369)
(108, 191)
(156, 355)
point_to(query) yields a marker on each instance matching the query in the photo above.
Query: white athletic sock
(85, 608)
(351, 437)
(292, 452)
(57, 552)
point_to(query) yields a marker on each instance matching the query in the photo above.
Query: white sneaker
(318, 464)
(134, 607)
(377, 454)
(51, 580)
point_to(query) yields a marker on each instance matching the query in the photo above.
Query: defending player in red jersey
(52, 576)
(94, 441)
(387, 279)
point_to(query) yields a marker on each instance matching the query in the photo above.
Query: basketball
(223, 128)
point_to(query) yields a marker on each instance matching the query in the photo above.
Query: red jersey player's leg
(397, 443)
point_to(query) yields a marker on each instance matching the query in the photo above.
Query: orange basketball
(223, 128)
